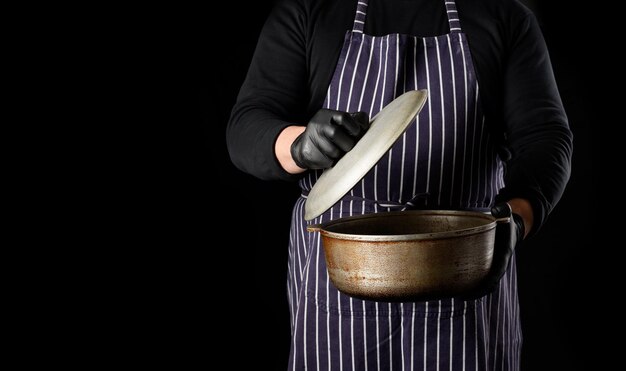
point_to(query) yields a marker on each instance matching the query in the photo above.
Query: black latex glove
(507, 237)
(328, 136)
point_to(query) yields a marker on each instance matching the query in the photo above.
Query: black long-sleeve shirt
(299, 46)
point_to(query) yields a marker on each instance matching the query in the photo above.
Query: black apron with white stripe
(445, 160)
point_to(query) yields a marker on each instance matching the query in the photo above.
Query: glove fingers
(341, 140)
(318, 158)
(501, 210)
(338, 140)
(362, 119)
(347, 122)
(328, 147)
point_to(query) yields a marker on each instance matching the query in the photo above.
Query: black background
(555, 314)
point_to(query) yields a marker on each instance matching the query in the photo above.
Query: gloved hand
(328, 136)
(507, 237)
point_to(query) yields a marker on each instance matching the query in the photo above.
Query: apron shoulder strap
(359, 16)
(453, 16)
(451, 12)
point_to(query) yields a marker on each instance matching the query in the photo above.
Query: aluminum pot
(408, 255)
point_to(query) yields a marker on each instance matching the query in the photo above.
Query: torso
(445, 154)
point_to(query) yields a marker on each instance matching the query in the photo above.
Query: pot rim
(407, 237)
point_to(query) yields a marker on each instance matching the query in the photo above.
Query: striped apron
(445, 159)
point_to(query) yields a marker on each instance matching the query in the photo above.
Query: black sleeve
(537, 132)
(273, 95)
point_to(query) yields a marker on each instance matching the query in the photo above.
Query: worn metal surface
(409, 255)
(385, 128)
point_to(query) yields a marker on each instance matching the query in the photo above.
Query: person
(493, 134)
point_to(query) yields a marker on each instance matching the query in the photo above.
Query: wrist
(523, 208)
(282, 148)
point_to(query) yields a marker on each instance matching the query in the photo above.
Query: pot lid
(385, 128)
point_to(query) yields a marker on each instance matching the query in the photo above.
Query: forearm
(250, 142)
(538, 171)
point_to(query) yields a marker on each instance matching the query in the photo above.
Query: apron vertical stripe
(417, 122)
(465, 120)
(343, 70)
(390, 339)
(367, 73)
(306, 302)
(464, 359)
(430, 118)
(473, 151)
(317, 310)
(402, 337)
(452, 69)
(390, 154)
(425, 349)
(451, 336)
(377, 340)
(443, 120)
(358, 58)
(438, 333)
(413, 338)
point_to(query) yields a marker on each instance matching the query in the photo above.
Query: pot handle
(314, 228)
(503, 220)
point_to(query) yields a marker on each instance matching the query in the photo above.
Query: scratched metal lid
(385, 128)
